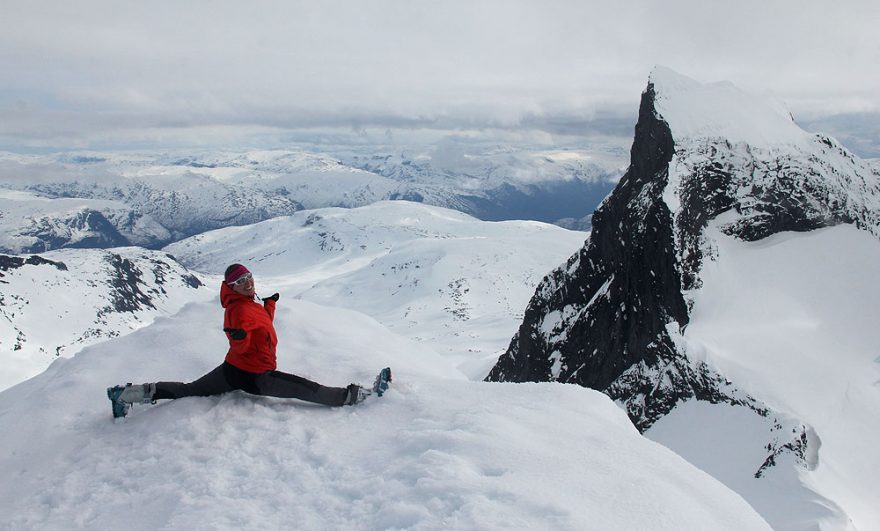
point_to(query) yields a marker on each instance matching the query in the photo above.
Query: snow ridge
(722, 111)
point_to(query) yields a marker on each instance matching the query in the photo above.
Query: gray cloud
(92, 71)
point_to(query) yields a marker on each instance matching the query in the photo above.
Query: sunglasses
(242, 280)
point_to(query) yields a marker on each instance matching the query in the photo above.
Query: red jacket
(256, 352)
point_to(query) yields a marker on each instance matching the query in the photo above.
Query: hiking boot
(123, 396)
(355, 395)
(380, 385)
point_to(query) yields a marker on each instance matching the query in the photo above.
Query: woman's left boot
(123, 396)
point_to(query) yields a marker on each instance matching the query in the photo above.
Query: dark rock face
(84, 230)
(133, 290)
(607, 309)
(14, 262)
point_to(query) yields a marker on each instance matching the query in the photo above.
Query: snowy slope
(430, 274)
(436, 452)
(722, 111)
(55, 303)
(793, 320)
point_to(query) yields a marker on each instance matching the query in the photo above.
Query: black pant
(228, 377)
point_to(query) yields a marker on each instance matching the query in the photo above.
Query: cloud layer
(91, 71)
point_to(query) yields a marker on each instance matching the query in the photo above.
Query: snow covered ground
(436, 452)
(435, 295)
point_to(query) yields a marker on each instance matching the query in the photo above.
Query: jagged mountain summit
(715, 175)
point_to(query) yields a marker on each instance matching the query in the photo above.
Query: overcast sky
(84, 73)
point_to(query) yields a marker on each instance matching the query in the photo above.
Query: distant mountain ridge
(105, 200)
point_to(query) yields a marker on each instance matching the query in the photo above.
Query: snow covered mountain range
(733, 265)
(428, 291)
(724, 305)
(92, 199)
(446, 279)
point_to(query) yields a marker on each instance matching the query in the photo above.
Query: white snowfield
(436, 452)
(721, 110)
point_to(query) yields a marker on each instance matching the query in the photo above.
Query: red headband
(236, 273)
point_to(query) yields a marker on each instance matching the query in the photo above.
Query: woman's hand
(236, 333)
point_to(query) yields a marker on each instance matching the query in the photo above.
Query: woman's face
(246, 288)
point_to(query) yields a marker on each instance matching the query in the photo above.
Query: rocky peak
(618, 293)
(611, 316)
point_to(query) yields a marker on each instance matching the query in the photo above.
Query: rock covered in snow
(621, 300)
(707, 162)
(56, 303)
